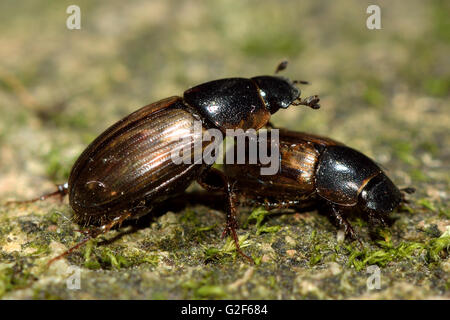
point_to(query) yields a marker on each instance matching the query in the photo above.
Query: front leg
(338, 214)
(214, 180)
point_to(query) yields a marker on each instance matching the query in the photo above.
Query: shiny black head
(277, 92)
(380, 196)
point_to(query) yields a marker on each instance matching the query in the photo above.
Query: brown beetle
(128, 169)
(316, 170)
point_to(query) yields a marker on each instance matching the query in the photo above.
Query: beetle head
(380, 196)
(277, 92)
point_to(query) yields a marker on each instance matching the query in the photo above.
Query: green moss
(205, 229)
(257, 260)
(41, 248)
(439, 87)
(5, 227)
(89, 261)
(45, 295)
(272, 44)
(427, 204)
(77, 119)
(373, 95)
(444, 212)
(258, 215)
(209, 291)
(404, 151)
(206, 288)
(12, 276)
(435, 250)
(431, 147)
(404, 128)
(53, 218)
(189, 217)
(316, 256)
(265, 229)
(103, 257)
(116, 260)
(152, 259)
(58, 164)
(418, 175)
(159, 296)
(228, 249)
(441, 23)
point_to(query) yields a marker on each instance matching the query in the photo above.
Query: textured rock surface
(384, 92)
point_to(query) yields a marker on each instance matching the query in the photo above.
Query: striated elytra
(318, 170)
(128, 168)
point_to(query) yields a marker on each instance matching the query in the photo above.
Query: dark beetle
(318, 170)
(128, 168)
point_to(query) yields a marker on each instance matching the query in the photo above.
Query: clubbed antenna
(311, 102)
(281, 66)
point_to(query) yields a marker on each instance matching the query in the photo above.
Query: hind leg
(94, 233)
(63, 189)
(214, 180)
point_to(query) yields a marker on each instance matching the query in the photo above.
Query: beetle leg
(344, 222)
(213, 179)
(404, 192)
(63, 189)
(408, 190)
(92, 234)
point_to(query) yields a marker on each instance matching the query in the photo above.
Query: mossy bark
(384, 92)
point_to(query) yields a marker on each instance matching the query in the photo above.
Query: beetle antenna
(311, 102)
(281, 66)
(301, 82)
(63, 189)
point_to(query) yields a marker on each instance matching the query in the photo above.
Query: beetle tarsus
(213, 180)
(232, 232)
(346, 224)
(232, 224)
(92, 234)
